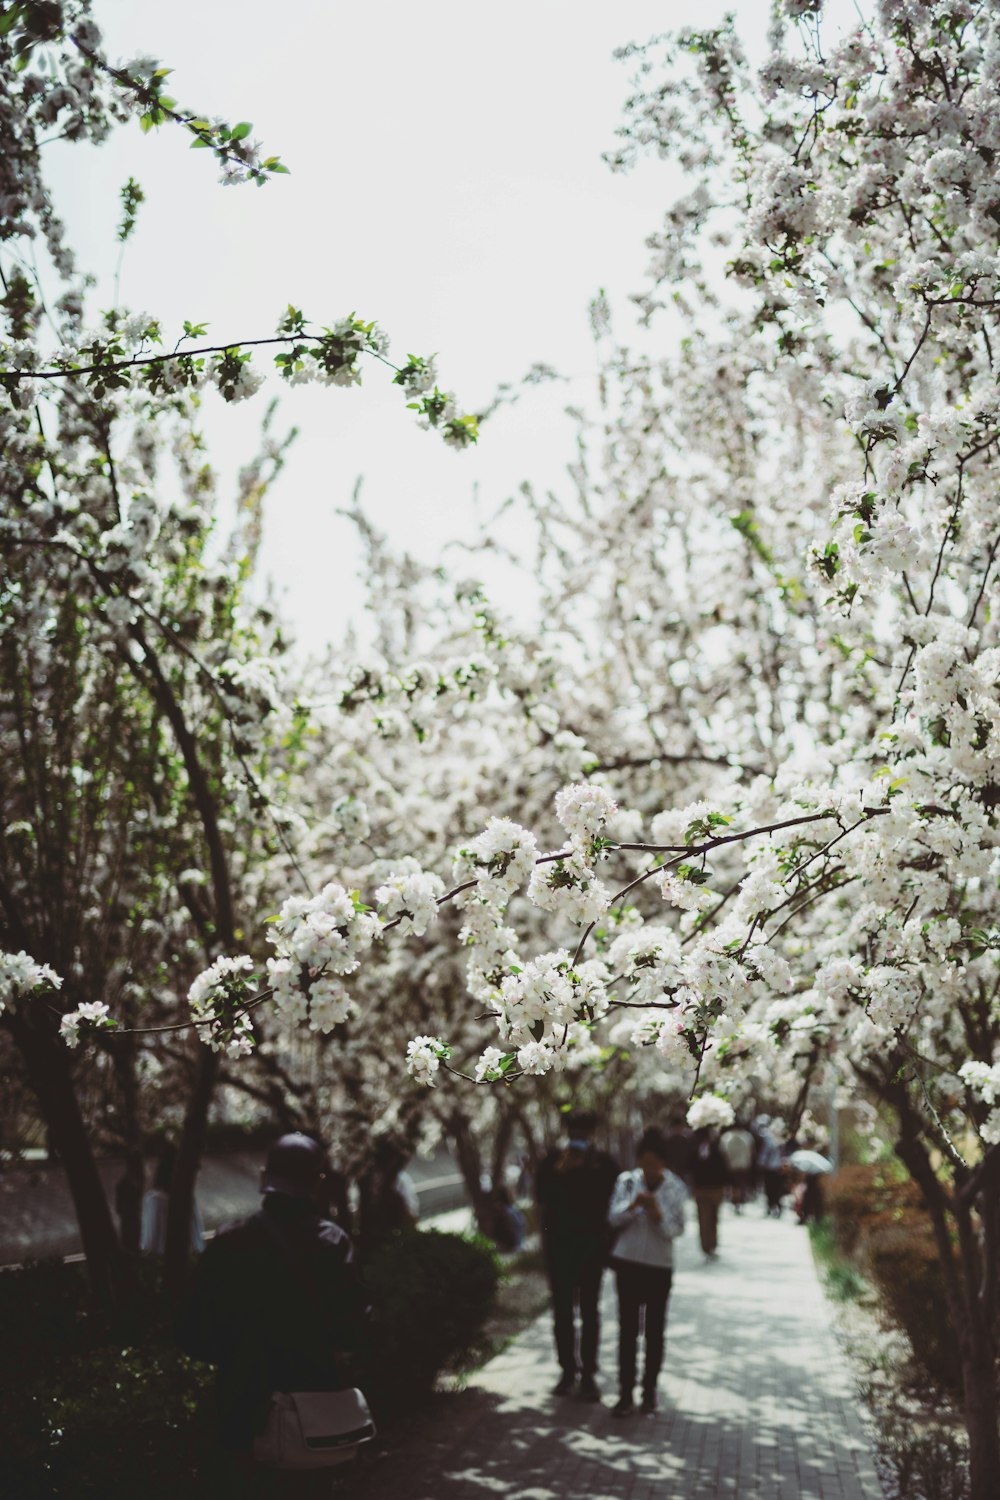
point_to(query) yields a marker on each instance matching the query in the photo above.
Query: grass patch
(842, 1281)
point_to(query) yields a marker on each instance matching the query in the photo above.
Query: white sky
(446, 179)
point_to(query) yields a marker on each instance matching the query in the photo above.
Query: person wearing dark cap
(275, 1301)
(573, 1188)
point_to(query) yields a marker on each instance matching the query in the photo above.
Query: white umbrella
(810, 1162)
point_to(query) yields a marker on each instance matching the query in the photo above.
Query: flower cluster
(569, 887)
(424, 1055)
(983, 1079)
(92, 1013)
(409, 898)
(710, 1110)
(219, 998)
(497, 862)
(583, 810)
(20, 975)
(318, 941)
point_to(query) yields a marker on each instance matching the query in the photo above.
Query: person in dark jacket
(275, 1301)
(573, 1187)
(709, 1180)
(679, 1144)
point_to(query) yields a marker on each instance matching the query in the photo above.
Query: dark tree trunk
(471, 1167)
(128, 1190)
(531, 1145)
(47, 1066)
(970, 1284)
(368, 1214)
(502, 1142)
(980, 1406)
(180, 1210)
(975, 1326)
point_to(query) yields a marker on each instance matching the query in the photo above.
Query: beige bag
(313, 1429)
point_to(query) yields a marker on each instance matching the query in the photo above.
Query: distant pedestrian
(275, 1301)
(573, 1188)
(809, 1196)
(710, 1178)
(647, 1211)
(389, 1196)
(156, 1203)
(737, 1147)
(771, 1162)
(679, 1144)
(508, 1221)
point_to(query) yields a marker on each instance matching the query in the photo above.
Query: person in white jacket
(647, 1214)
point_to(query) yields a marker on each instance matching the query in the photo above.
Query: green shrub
(95, 1405)
(901, 1254)
(856, 1193)
(106, 1408)
(878, 1219)
(432, 1293)
(841, 1278)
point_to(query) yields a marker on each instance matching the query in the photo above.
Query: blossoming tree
(772, 608)
(820, 648)
(144, 739)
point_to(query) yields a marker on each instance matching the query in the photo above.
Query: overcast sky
(446, 179)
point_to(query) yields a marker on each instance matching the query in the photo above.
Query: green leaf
(242, 130)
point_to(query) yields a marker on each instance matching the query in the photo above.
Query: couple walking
(590, 1214)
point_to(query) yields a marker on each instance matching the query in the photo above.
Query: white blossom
(710, 1110)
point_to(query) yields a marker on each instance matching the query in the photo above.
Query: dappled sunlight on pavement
(755, 1401)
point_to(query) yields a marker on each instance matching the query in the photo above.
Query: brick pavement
(756, 1400)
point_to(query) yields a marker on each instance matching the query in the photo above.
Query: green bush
(102, 1407)
(879, 1220)
(901, 1254)
(841, 1278)
(95, 1404)
(432, 1293)
(856, 1193)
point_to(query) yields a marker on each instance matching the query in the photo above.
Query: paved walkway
(756, 1401)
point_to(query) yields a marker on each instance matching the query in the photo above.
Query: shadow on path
(756, 1402)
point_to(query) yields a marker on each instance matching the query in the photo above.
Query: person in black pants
(647, 1211)
(709, 1178)
(573, 1188)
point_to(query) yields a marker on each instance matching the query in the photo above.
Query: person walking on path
(710, 1177)
(647, 1212)
(275, 1301)
(155, 1203)
(737, 1147)
(771, 1161)
(680, 1147)
(573, 1188)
